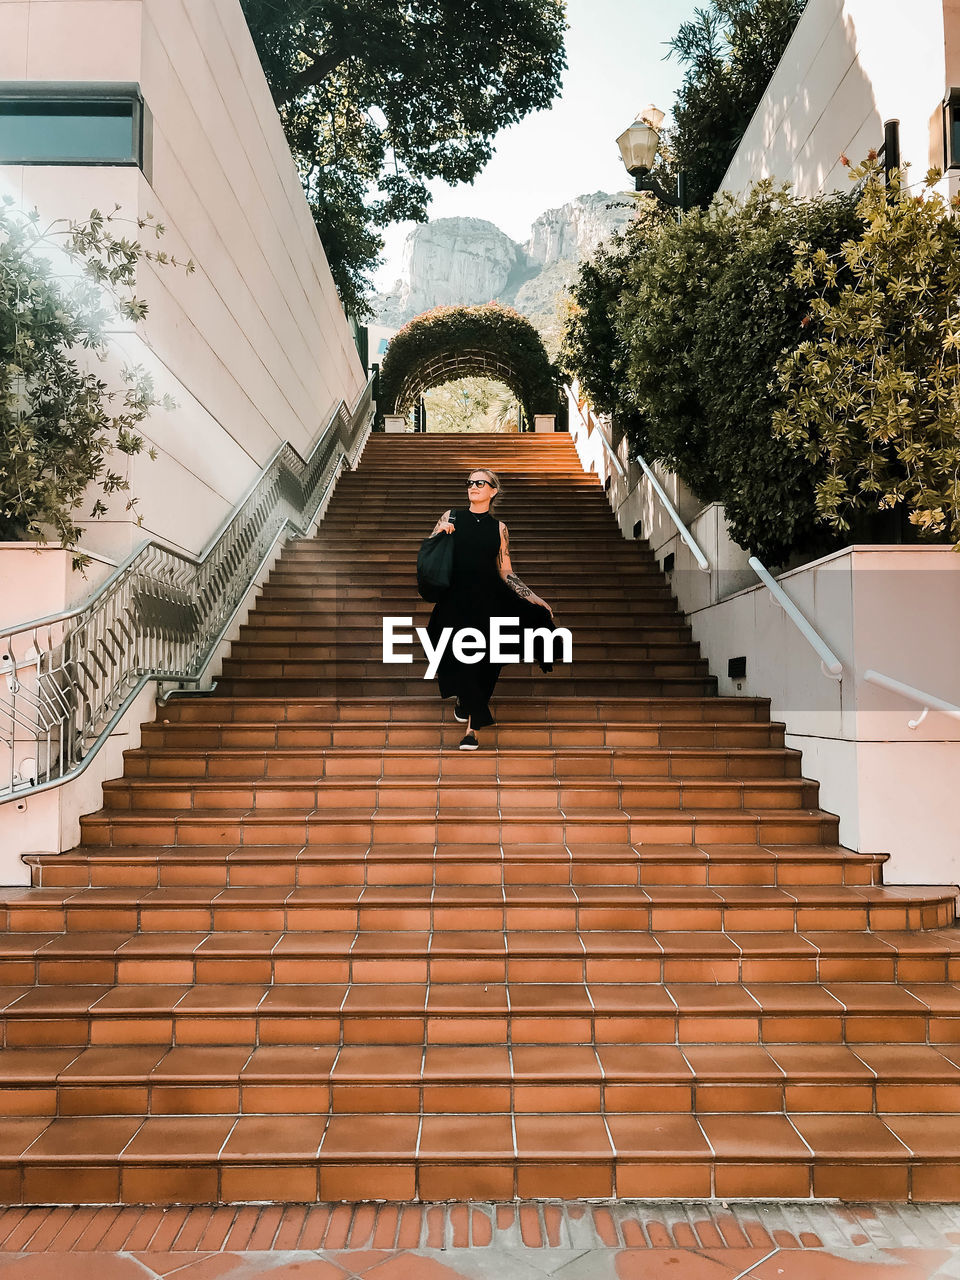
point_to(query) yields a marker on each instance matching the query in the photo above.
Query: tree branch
(314, 75)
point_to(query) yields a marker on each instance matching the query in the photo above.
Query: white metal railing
(574, 402)
(67, 679)
(829, 662)
(658, 489)
(925, 700)
(672, 512)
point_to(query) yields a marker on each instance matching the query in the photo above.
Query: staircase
(309, 950)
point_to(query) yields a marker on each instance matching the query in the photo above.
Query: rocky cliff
(469, 260)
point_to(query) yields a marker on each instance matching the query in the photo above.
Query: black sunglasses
(479, 483)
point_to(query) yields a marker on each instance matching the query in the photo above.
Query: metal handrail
(67, 679)
(672, 512)
(925, 700)
(611, 452)
(830, 664)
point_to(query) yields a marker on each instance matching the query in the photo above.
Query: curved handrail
(830, 664)
(67, 679)
(926, 700)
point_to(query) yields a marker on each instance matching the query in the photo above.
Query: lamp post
(638, 148)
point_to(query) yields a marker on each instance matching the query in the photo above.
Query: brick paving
(621, 1240)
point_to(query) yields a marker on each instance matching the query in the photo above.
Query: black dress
(476, 594)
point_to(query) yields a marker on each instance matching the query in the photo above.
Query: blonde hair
(491, 475)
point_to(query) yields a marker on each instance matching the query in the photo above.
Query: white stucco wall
(851, 65)
(254, 346)
(895, 610)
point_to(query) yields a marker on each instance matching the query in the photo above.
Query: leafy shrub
(592, 345)
(872, 398)
(60, 425)
(698, 315)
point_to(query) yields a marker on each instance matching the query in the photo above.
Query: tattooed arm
(444, 524)
(509, 577)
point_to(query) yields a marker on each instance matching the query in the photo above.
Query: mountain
(453, 261)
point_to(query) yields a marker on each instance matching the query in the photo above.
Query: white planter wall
(893, 609)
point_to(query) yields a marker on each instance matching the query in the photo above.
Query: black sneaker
(469, 742)
(457, 710)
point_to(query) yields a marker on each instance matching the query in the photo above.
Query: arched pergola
(458, 342)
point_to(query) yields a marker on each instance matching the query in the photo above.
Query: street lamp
(638, 148)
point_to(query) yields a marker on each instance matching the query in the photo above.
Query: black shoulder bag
(435, 564)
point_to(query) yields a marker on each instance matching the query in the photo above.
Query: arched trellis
(458, 342)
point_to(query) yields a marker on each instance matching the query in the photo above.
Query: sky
(615, 67)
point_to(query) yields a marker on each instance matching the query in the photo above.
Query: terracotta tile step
(346, 908)
(392, 580)
(587, 531)
(356, 567)
(377, 1014)
(651, 826)
(571, 605)
(566, 731)
(584, 610)
(341, 520)
(366, 606)
(367, 652)
(282, 630)
(486, 797)
(346, 508)
(389, 687)
(354, 611)
(305, 668)
(568, 764)
(542, 553)
(449, 955)
(551, 709)
(338, 532)
(499, 740)
(400, 590)
(453, 1080)
(344, 526)
(223, 1159)
(379, 679)
(360, 864)
(443, 730)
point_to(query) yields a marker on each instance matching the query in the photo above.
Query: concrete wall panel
(851, 65)
(14, 22)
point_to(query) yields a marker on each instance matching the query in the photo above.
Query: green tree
(730, 49)
(592, 344)
(379, 96)
(679, 334)
(471, 404)
(60, 424)
(872, 397)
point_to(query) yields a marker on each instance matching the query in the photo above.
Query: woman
(483, 586)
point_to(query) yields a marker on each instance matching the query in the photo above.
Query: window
(97, 124)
